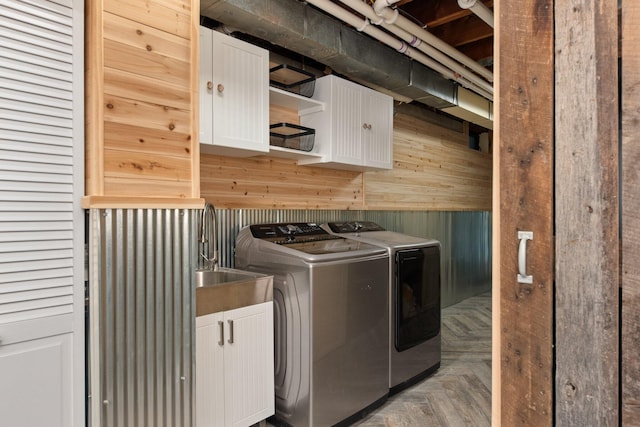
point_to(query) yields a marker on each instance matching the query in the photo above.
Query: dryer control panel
(354, 226)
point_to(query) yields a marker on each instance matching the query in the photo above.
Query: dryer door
(417, 296)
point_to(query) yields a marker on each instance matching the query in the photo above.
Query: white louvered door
(41, 220)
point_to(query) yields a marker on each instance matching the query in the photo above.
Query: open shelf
(289, 153)
(294, 101)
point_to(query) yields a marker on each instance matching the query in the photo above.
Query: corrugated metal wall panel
(465, 239)
(142, 301)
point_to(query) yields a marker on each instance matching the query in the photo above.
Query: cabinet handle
(366, 126)
(221, 325)
(220, 87)
(210, 85)
(230, 332)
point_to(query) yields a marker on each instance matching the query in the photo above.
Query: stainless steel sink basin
(223, 276)
(227, 288)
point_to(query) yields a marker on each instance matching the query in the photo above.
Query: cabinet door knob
(209, 85)
(220, 87)
(366, 126)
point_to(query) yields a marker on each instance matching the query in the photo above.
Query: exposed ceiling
(458, 27)
(449, 67)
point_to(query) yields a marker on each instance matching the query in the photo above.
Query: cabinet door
(346, 141)
(210, 396)
(377, 141)
(36, 385)
(240, 95)
(248, 365)
(205, 114)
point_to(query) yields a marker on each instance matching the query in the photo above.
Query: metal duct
(142, 315)
(303, 29)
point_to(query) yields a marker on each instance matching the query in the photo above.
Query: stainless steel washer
(414, 295)
(331, 320)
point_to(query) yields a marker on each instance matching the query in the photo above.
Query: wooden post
(587, 207)
(630, 213)
(523, 201)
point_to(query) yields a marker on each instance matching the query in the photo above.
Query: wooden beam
(587, 206)
(630, 214)
(523, 324)
(438, 12)
(481, 50)
(463, 31)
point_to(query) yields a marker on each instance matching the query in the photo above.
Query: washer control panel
(286, 233)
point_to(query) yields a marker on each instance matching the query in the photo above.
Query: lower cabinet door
(234, 367)
(248, 365)
(210, 394)
(36, 381)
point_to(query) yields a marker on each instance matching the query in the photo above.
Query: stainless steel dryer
(414, 295)
(331, 320)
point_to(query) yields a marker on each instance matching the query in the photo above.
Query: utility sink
(228, 288)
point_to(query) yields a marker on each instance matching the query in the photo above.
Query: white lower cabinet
(234, 367)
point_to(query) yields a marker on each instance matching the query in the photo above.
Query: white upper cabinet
(234, 96)
(355, 130)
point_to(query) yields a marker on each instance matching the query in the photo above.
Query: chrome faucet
(208, 237)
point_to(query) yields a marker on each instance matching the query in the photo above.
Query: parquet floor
(459, 393)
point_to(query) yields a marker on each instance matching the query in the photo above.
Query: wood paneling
(523, 352)
(272, 183)
(142, 99)
(433, 170)
(630, 213)
(170, 16)
(586, 214)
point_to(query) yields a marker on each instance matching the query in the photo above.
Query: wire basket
(292, 136)
(293, 80)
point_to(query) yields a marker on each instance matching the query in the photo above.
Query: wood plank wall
(523, 319)
(141, 96)
(630, 213)
(433, 170)
(587, 207)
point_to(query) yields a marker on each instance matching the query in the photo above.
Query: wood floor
(459, 393)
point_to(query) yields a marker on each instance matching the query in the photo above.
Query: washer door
(417, 296)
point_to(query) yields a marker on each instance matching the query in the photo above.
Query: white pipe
(400, 46)
(477, 7)
(445, 60)
(379, 5)
(392, 17)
